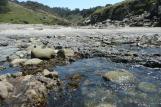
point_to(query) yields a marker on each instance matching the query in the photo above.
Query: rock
(119, 77)
(22, 44)
(49, 74)
(18, 55)
(22, 54)
(49, 83)
(18, 74)
(34, 61)
(65, 53)
(36, 42)
(147, 87)
(27, 78)
(153, 64)
(5, 90)
(36, 94)
(3, 77)
(12, 57)
(74, 81)
(69, 52)
(4, 43)
(2, 68)
(17, 62)
(46, 53)
(105, 105)
(5, 52)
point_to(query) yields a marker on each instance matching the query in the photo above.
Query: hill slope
(131, 9)
(19, 14)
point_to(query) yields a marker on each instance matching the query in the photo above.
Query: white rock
(17, 62)
(34, 61)
(42, 53)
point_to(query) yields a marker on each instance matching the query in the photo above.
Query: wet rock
(5, 52)
(36, 42)
(34, 61)
(74, 81)
(23, 45)
(12, 57)
(49, 74)
(5, 90)
(65, 53)
(147, 87)
(18, 55)
(105, 105)
(119, 77)
(4, 43)
(5, 76)
(153, 64)
(17, 62)
(46, 53)
(48, 82)
(76, 77)
(18, 74)
(2, 68)
(35, 94)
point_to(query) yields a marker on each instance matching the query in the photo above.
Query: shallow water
(94, 90)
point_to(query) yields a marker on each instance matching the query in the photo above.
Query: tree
(3, 6)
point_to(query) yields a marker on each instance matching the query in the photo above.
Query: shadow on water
(95, 92)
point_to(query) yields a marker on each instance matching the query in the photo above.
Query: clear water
(94, 90)
(8, 69)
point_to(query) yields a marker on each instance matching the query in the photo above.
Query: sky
(72, 4)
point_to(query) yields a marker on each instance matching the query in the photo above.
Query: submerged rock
(147, 87)
(120, 76)
(42, 53)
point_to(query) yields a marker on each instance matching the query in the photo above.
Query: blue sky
(72, 4)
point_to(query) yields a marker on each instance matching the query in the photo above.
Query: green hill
(19, 14)
(127, 9)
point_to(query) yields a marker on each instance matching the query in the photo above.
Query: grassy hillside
(19, 14)
(124, 9)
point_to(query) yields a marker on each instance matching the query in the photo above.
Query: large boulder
(34, 61)
(42, 53)
(147, 87)
(119, 77)
(5, 90)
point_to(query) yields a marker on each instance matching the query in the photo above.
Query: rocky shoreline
(36, 49)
